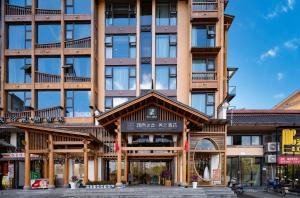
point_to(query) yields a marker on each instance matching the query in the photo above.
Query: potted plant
(167, 176)
(194, 179)
(74, 181)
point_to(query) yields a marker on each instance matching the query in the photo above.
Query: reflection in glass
(204, 102)
(120, 78)
(77, 103)
(47, 99)
(79, 66)
(165, 77)
(203, 36)
(166, 13)
(19, 70)
(48, 33)
(49, 65)
(77, 31)
(18, 101)
(78, 7)
(50, 5)
(24, 3)
(19, 36)
(146, 76)
(120, 13)
(166, 46)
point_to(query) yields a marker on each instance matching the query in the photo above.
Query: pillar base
(51, 187)
(26, 188)
(118, 185)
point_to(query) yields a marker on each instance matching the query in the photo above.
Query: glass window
(18, 101)
(146, 12)
(48, 33)
(49, 5)
(246, 140)
(24, 3)
(48, 99)
(19, 70)
(77, 103)
(203, 36)
(165, 77)
(204, 102)
(203, 65)
(166, 13)
(77, 31)
(205, 144)
(146, 44)
(19, 36)
(121, 46)
(79, 66)
(120, 78)
(120, 13)
(78, 7)
(166, 46)
(111, 102)
(49, 65)
(146, 76)
(255, 140)
(229, 140)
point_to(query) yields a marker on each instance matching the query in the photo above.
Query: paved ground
(259, 193)
(130, 192)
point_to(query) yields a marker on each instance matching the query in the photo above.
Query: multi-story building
(148, 78)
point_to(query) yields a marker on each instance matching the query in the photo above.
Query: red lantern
(186, 145)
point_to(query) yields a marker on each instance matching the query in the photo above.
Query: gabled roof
(155, 98)
(285, 102)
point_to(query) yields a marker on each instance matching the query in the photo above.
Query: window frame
(170, 76)
(109, 45)
(207, 102)
(110, 76)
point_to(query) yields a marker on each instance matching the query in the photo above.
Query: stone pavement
(259, 193)
(129, 192)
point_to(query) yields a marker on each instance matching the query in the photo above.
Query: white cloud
(292, 44)
(271, 53)
(280, 95)
(279, 76)
(289, 5)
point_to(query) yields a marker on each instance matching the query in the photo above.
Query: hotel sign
(290, 142)
(152, 126)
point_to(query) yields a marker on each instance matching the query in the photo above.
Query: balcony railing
(204, 76)
(79, 43)
(48, 112)
(48, 45)
(204, 5)
(47, 11)
(46, 78)
(17, 10)
(70, 78)
(16, 115)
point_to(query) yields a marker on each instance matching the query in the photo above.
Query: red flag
(117, 146)
(186, 145)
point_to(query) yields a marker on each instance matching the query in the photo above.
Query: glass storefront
(247, 170)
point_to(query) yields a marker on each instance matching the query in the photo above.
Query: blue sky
(264, 43)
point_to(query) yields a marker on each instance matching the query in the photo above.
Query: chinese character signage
(152, 126)
(290, 142)
(152, 114)
(289, 160)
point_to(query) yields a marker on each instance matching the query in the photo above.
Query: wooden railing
(46, 78)
(77, 79)
(48, 45)
(204, 76)
(48, 112)
(17, 10)
(17, 114)
(47, 11)
(204, 5)
(79, 43)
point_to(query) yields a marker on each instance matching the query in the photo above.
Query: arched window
(205, 144)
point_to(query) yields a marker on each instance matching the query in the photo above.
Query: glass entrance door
(250, 171)
(148, 172)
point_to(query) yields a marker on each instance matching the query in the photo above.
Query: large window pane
(162, 77)
(78, 66)
(146, 76)
(20, 2)
(120, 47)
(120, 78)
(246, 140)
(111, 102)
(162, 46)
(146, 12)
(120, 13)
(47, 99)
(146, 44)
(77, 103)
(199, 102)
(49, 65)
(52, 5)
(77, 31)
(166, 13)
(78, 6)
(18, 101)
(19, 36)
(19, 70)
(48, 33)
(203, 36)
(255, 140)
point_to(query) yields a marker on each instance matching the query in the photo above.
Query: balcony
(79, 43)
(47, 11)
(72, 78)
(204, 80)
(17, 10)
(204, 10)
(46, 78)
(231, 93)
(48, 112)
(48, 45)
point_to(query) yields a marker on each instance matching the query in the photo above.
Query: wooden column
(178, 168)
(119, 153)
(46, 167)
(85, 161)
(27, 161)
(66, 172)
(95, 168)
(184, 138)
(126, 168)
(51, 162)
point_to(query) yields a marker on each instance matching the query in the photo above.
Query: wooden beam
(69, 150)
(51, 162)
(68, 143)
(119, 153)
(151, 154)
(184, 140)
(85, 165)
(27, 161)
(66, 172)
(96, 168)
(39, 151)
(152, 148)
(45, 168)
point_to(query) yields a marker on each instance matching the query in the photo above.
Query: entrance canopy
(153, 98)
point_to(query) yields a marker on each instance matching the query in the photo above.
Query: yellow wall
(292, 103)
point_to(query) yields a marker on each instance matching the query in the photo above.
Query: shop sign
(152, 126)
(152, 114)
(216, 174)
(16, 155)
(39, 183)
(290, 142)
(288, 159)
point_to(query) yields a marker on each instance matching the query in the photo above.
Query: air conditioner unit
(271, 147)
(271, 159)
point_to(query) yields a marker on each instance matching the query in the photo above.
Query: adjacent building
(103, 89)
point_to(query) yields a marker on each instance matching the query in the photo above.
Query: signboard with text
(289, 160)
(290, 142)
(152, 126)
